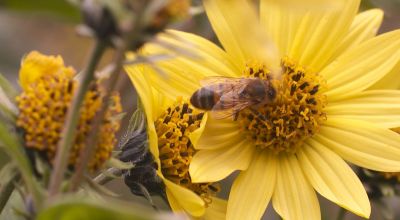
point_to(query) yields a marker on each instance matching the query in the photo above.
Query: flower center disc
(176, 150)
(295, 114)
(43, 108)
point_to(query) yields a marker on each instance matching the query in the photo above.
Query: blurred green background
(49, 26)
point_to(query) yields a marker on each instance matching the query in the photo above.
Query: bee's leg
(147, 195)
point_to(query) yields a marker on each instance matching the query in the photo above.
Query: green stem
(342, 214)
(91, 142)
(132, 37)
(69, 131)
(6, 191)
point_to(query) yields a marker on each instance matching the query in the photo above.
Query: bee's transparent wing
(229, 105)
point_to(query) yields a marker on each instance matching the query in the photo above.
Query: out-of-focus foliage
(59, 8)
(82, 210)
(3, 158)
(367, 4)
(8, 89)
(13, 208)
(393, 5)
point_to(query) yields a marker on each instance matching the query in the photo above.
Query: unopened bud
(99, 18)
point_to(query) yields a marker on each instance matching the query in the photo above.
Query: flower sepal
(142, 179)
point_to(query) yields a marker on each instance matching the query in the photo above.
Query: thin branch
(69, 131)
(132, 37)
(103, 178)
(92, 140)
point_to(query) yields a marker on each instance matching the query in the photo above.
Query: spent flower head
(321, 58)
(47, 91)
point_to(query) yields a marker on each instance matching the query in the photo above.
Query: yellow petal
(333, 178)
(216, 210)
(218, 134)
(253, 188)
(142, 88)
(195, 135)
(182, 73)
(362, 66)
(173, 203)
(294, 198)
(176, 207)
(211, 58)
(309, 34)
(35, 65)
(160, 102)
(381, 107)
(292, 23)
(238, 29)
(365, 26)
(184, 198)
(362, 143)
(280, 24)
(214, 165)
(390, 81)
(145, 93)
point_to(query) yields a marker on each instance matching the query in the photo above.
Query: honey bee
(225, 97)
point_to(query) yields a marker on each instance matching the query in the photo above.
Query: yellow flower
(170, 123)
(47, 91)
(324, 113)
(35, 65)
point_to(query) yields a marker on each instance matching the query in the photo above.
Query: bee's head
(269, 91)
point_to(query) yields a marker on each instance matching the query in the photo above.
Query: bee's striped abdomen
(204, 98)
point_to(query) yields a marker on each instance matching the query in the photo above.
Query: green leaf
(8, 110)
(15, 203)
(137, 123)
(59, 8)
(8, 176)
(3, 158)
(8, 88)
(78, 209)
(137, 120)
(11, 144)
(7, 173)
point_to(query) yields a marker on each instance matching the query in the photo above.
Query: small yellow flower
(48, 88)
(325, 112)
(170, 124)
(35, 65)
